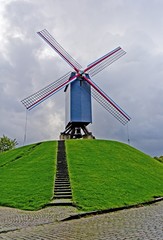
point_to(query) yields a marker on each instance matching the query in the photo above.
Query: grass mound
(107, 174)
(27, 175)
(104, 174)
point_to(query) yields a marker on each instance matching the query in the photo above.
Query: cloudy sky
(87, 29)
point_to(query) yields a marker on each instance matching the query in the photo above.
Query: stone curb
(98, 212)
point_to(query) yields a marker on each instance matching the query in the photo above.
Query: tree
(7, 143)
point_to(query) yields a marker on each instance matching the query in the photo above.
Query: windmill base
(76, 131)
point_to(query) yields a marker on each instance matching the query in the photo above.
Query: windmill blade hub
(81, 72)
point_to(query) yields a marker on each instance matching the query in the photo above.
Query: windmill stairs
(62, 187)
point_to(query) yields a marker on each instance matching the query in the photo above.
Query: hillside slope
(103, 174)
(106, 174)
(27, 175)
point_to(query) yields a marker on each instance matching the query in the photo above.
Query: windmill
(79, 89)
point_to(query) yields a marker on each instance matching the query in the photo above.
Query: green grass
(104, 174)
(107, 174)
(27, 175)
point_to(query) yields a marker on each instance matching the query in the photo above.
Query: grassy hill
(27, 175)
(104, 174)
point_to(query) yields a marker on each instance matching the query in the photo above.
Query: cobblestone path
(144, 223)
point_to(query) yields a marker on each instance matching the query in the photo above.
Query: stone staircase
(62, 188)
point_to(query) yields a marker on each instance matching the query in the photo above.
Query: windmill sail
(104, 61)
(79, 104)
(102, 98)
(46, 92)
(47, 37)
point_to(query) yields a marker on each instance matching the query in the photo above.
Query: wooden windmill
(79, 89)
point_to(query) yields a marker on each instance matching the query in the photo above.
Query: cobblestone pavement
(144, 223)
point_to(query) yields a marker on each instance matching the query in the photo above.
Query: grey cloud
(86, 31)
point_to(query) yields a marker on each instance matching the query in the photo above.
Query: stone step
(63, 196)
(58, 191)
(62, 193)
(61, 202)
(62, 181)
(63, 187)
(61, 178)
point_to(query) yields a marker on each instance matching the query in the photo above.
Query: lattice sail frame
(104, 100)
(47, 37)
(46, 92)
(92, 69)
(105, 61)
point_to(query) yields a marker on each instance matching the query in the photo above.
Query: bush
(160, 159)
(7, 143)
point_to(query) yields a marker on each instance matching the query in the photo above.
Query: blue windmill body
(78, 106)
(79, 90)
(78, 100)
